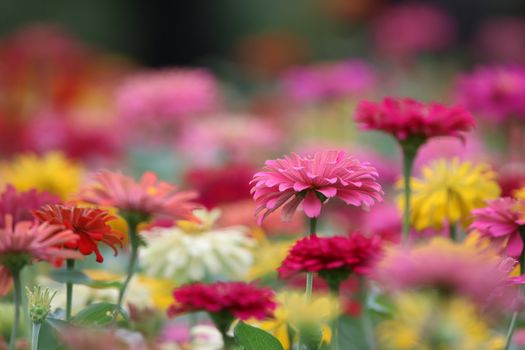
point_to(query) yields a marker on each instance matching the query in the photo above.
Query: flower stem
(335, 288)
(70, 265)
(453, 230)
(310, 275)
(409, 155)
(366, 322)
(17, 300)
(135, 242)
(34, 335)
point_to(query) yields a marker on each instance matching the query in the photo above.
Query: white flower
(195, 251)
(204, 337)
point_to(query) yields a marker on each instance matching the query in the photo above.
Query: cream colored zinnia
(198, 251)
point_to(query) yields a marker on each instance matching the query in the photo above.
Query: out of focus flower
(26, 242)
(52, 173)
(465, 269)
(311, 180)
(39, 301)
(384, 221)
(520, 194)
(334, 258)
(146, 198)
(293, 309)
(501, 39)
(196, 250)
(503, 222)
(448, 191)
(267, 258)
(20, 204)
(228, 137)
(218, 186)
(407, 118)
(326, 81)
(89, 339)
(495, 93)
(90, 225)
(511, 178)
(231, 299)
(167, 96)
(206, 337)
(417, 29)
(422, 321)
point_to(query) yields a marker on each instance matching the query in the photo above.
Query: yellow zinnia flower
(267, 258)
(293, 309)
(448, 191)
(52, 172)
(425, 322)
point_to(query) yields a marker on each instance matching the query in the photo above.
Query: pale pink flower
(147, 197)
(167, 96)
(310, 180)
(501, 221)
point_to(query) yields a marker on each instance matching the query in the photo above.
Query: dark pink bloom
(502, 40)
(404, 118)
(407, 30)
(355, 253)
(325, 81)
(495, 93)
(19, 205)
(502, 221)
(239, 299)
(310, 180)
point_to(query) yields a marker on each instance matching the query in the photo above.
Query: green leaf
(310, 335)
(99, 314)
(79, 277)
(48, 338)
(253, 338)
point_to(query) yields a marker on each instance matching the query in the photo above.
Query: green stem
(17, 300)
(366, 322)
(408, 162)
(70, 265)
(34, 335)
(453, 230)
(510, 332)
(335, 288)
(132, 264)
(310, 275)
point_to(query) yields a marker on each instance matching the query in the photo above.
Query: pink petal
(312, 205)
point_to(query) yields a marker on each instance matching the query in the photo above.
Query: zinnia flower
(20, 204)
(236, 299)
(465, 269)
(311, 180)
(91, 225)
(448, 191)
(353, 254)
(407, 118)
(502, 222)
(196, 250)
(145, 198)
(51, 172)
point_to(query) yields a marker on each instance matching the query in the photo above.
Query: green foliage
(310, 336)
(79, 277)
(253, 338)
(98, 315)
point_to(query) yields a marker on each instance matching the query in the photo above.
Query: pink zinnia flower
(502, 221)
(405, 118)
(19, 205)
(449, 267)
(147, 197)
(355, 253)
(325, 81)
(25, 242)
(495, 93)
(167, 96)
(311, 180)
(237, 299)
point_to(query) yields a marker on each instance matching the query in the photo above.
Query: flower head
(311, 180)
(465, 269)
(238, 299)
(39, 301)
(502, 221)
(353, 254)
(448, 191)
(145, 198)
(20, 204)
(52, 173)
(196, 250)
(407, 118)
(90, 225)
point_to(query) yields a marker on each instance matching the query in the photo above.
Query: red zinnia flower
(311, 180)
(405, 118)
(20, 204)
(90, 225)
(355, 253)
(238, 299)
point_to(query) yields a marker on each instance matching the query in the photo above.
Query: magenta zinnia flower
(311, 180)
(146, 198)
(20, 204)
(355, 253)
(237, 299)
(502, 222)
(405, 118)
